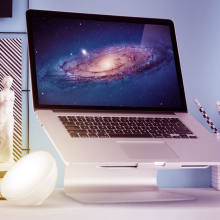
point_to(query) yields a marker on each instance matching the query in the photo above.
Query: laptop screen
(88, 61)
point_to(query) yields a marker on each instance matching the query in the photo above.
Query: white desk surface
(206, 206)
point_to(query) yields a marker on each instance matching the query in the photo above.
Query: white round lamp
(31, 179)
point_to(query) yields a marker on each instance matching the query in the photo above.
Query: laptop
(108, 91)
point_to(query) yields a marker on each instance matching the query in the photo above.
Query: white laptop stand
(91, 184)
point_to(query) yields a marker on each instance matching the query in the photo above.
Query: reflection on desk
(59, 206)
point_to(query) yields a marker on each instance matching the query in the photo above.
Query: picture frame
(11, 66)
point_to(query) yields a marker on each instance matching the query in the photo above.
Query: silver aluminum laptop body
(129, 152)
(128, 51)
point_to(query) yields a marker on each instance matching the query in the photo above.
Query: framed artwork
(10, 66)
(6, 9)
(10, 71)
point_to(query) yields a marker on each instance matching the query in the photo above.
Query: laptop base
(90, 184)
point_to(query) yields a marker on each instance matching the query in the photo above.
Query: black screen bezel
(30, 14)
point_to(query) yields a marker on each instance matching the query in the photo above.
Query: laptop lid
(103, 62)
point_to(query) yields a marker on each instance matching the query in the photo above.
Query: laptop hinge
(111, 111)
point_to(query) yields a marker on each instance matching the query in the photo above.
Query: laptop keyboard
(125, 127)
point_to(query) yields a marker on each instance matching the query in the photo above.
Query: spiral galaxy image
(97, 63)
(110, 64)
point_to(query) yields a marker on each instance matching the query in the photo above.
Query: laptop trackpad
(147, 150)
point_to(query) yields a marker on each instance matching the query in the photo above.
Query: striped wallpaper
(10, 65)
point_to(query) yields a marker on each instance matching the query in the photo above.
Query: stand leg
(92, 184)
(2, 173)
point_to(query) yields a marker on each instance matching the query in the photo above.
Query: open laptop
(108, 91)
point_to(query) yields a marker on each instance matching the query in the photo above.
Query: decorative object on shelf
(10, 65)
(216, 177)
(205, 116)
(31, 180)
(214, 169)
(6, 121)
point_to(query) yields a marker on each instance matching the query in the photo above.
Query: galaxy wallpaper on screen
(102, 63)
